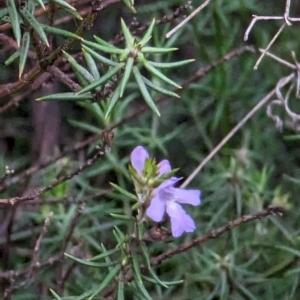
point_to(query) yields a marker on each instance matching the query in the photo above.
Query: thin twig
(251, 113)
(43, 164)
(16, 273)
(74, 222)
(193, 14)
(33, 264)
(56, 182)
(62, 77)
(270, 211)
(68, 200)
(278, 59)
(287, 21)
(269, 45)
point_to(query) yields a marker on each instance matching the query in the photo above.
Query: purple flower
(166, 197)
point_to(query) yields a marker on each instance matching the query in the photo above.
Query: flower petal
(156, 209)
(187, 196)
(180, 220)
(164, 167)
(138, 158)
(168, 183)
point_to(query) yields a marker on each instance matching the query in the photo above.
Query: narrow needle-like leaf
(14, 18)
(123, 191)
(61, 32)
(104, 43)
(129, 3)
(82, 71)
(171, 64)
(113, 50)
(144, 91)
(67, 7)
(157, 50)
(99, 57)
(126, 75)
(36, 26)
(110, 276)
(66, 97)
(3, 13)
(146, 255)
(104, 254)
(121, 291)
(102, 80)
(91, 65)
(158, 74)
(159, 89)
(129, 40)
(13, 57)
(112, 101)
(89, 263)
(147, 35)
(56, 296)
(41, 3)
(24, 52)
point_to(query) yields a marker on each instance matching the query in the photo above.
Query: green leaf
(136, 268)
(146, 255)
(103, 43)
(112, 50)
(99, 57)
(144, 90)
(161, 76)
(103, 79)
(119, 235)
(13, 57)
(107, 258)
(158, 88)
(122, 217)
(69, 8)
(129, 4)
(91, 65)
(157, 50)
(56, 296)
(147, 35)
(104, 254)
(82, 71)
(31, 7)
(90, 263)
(112, 102)
(14, 18)
(167, 283)
(66, 97)
(36, 26)
(129, 40)
(124, 192)
(111, 275)
(24, 52)
(141, 287)
(120, 290)
(61, 32)
(126, 75)
(85, 126)
(171, 64)
(3, 12)
(41, 3)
